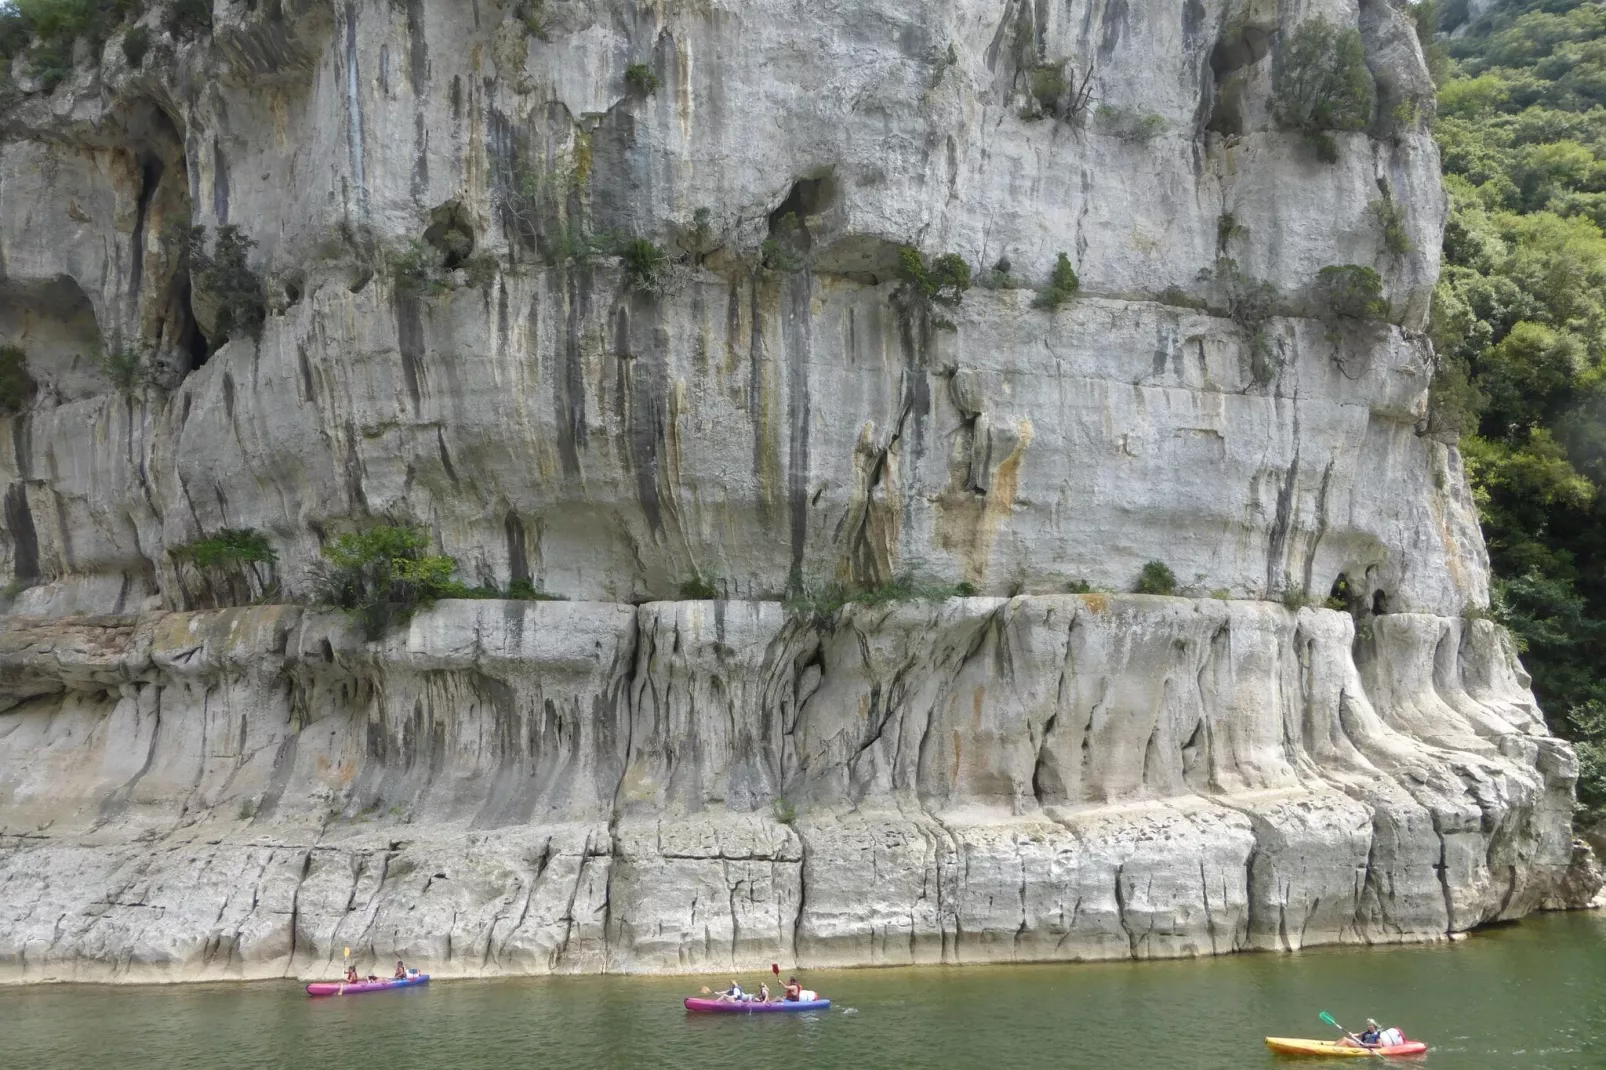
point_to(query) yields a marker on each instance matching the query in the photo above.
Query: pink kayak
(340, 988)
(714, 1006)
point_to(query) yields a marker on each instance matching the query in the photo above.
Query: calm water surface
(1528, 996)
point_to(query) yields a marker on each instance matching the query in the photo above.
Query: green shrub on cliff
(1062, 285)
(1322, 84)
(1352, 291)
(1156, 577)
(930, 284)
(646, 266)
(382, 575)
(225, 276)
(231, 568)
(641, 80)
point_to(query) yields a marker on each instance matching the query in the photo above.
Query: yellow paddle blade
(348, 952)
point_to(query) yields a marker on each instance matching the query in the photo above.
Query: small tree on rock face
(942, 281)
(1156, 578)
(225, 275)
(1062, 285)
(1353, 292)
(381, 576)
(1323, 85)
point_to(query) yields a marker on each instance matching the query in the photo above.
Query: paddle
(1328, 1018)
(343, 972)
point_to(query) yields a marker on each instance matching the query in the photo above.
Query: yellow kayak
(1296, 1046)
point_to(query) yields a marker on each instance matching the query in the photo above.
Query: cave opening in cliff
(808, 197)
(1380, 603)
(451, 234)
(1240, 47)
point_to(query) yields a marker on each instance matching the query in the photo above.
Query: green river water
(1526, 996)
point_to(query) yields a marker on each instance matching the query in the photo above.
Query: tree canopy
(1520, 324)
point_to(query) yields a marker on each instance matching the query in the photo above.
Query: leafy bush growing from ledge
(17, 387)
(231, 546)
(1062, 285)
(227, 568)
(646, 266)
(1322, 84)
(641, 80)
(698, 589)
(382, 575)
(1156, 578)
(942, 281)
(1353, 292)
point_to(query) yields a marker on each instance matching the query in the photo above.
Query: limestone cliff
(624, 782)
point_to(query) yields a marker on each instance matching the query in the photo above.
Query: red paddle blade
(776, 967)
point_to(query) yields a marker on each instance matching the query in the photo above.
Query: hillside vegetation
(1518, 322)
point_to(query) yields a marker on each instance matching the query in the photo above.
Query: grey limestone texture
(626, 782)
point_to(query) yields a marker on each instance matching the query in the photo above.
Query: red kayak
(341, 988)
(780, 1006)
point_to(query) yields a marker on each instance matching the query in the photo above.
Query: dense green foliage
(641, 80)
(1322, 84)
(1520, 326)
(926, 285)
(232, 568)
(1352, 291)
(1156, 578)
(231, 546)
(646, 266)
(1062, 285)
(382, 575)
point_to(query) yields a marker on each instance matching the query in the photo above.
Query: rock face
(621, 782)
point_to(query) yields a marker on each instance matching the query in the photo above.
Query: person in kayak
(794, 991)
(763, 991)
(351, 975)
(401, 971)
(1372, 1035)
(733, 994)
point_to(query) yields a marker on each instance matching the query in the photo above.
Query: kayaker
(401, 971)
(763, 991)
(733, 994)
(1372, 1035)
(794, 991)
(351, 975)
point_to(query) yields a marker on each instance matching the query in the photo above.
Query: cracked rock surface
(515, 787)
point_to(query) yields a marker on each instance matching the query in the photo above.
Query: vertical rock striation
(626, 782)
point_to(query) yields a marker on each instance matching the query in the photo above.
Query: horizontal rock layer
(556, 787)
